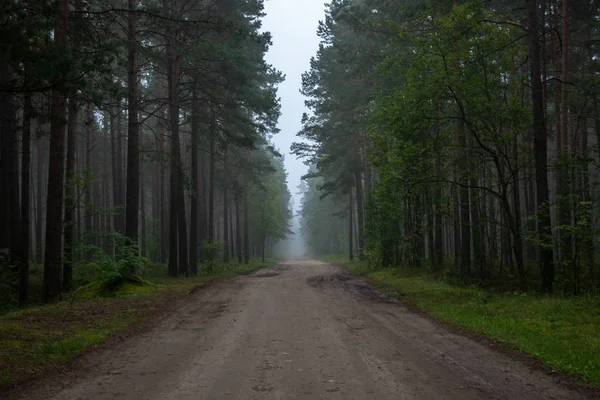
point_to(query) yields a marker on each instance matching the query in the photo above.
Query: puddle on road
(268, 272)
(354, 286)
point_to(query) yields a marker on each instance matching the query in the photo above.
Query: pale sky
(293, 26)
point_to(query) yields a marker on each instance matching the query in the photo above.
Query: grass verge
(38, 339)
(564, 333)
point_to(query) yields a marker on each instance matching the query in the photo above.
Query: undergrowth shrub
(114, 271)
(210, 250)
(8, 282)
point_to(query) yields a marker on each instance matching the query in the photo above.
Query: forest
(134, 134)
(443, 240)
(460, 137)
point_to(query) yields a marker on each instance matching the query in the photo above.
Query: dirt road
(304, 330)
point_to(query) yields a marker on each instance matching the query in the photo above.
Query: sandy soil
(302, 330)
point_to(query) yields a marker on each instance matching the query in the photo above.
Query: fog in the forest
(293, 26)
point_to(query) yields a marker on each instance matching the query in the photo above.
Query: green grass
(564, 333)
(335, 259)
(37, 339)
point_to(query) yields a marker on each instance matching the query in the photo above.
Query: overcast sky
(293, 25)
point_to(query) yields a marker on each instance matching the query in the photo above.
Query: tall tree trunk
(116, 167)
(202, 214)
(164, 218)
(359, 213)
(517, 240)
(465, 228)
(39, 196)
(54, 209)
(106, 220)
(232, 242)
(263, 246)
(194, 179)
(246, 227)
(439, 232)
(564, 175)
(211, 179)
(25, 201)
(474, 200)
(143, 234)
(225, 212)
(177, 193)
(156, 196)
(89, 207)
(456, 223)
(429, 211)
(173, 242)
(238, 230)
(540, 152)
(10, 217)
(70, 194)
(132, 206)
(350, 223)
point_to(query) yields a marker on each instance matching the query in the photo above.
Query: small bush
(113, 272)
(8, 282)
(210, 250)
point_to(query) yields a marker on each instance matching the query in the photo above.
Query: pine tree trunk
(238, 230)
(231, 231)
(540, 152)
(517, 240)
(177, 173)
(143, 244)
(70, 194)
(164, 215)
(360, 213)
(350, 225)
(194, 181)
(132, 206)
(211, 179)
(106, 220)
(25, 201)
(465, 228)
(263, 246)
(429, 212)
(225, 212)
(439, 232)
(476, 228)
(246, 227)
(54, 209)
(115, 167)
(202, 233)
(10, 217)
(89, 208)
(39, 196)
(173, 242)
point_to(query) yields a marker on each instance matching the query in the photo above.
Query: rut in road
(301, 330)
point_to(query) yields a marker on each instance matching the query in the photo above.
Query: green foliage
(113, 272)
(211, 251)
(8, 282)
(269, 204)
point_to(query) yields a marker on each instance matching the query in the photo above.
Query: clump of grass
(563, 332)
(114, 288)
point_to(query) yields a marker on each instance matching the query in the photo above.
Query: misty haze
(311, 199)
